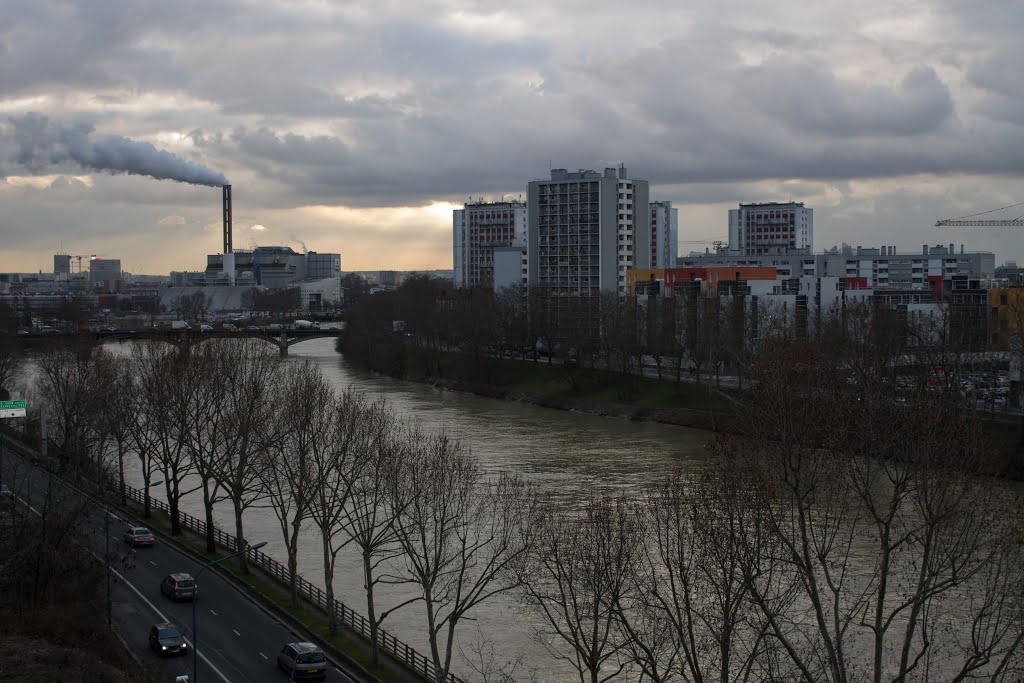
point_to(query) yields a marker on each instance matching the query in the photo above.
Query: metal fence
(316, 595)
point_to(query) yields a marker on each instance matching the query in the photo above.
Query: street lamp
(195, 634)
(106, 533)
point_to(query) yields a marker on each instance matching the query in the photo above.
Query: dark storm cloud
(399, 104)
(809, 99)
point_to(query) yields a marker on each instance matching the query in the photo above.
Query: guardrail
(316, 595)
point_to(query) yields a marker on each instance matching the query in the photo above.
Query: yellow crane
(972, 222)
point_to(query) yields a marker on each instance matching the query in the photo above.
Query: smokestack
(227, 219)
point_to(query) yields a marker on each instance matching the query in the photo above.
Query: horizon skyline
(358, 130)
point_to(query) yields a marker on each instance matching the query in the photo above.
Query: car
(253, 328)
(138, 535)
(302, 660)
(179, 586)
(206, 328)
(166, 640)
(275, 327)
(228, 327)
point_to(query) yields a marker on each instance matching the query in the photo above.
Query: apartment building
(585, 229)
(479, 230)
(771, 228)
(664, 234)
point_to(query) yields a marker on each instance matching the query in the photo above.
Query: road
(238, 640)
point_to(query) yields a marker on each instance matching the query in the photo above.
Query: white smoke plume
(43, 146)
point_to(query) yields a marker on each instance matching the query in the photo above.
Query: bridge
(282, 339)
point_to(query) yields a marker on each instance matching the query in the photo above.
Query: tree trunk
(240, 544)
(211, 541)
(120, 476)
(370, 613)
(147, 507)
(293, 561)
(173, 494)
(332, 617)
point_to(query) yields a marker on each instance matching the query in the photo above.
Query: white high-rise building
(477, 230)
(585, 229)
(772, 228)
(664, 235)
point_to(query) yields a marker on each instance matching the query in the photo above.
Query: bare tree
(66, 382)
(192, 307)
(205, 429)
(578, 578)
(119, 403)
(368, 517)
(336, 464)
(887, 536)
(252, 373)
(302, 425)
(462, 535)
(169, 384)
(704, 537)
(10, 364)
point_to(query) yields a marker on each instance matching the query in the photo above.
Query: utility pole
(42, 430)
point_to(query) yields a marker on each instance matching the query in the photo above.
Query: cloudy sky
(357, 127)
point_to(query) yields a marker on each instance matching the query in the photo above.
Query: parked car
(229, 327)
(205, 328)
(302, 660)
(180, 586)
(275, 327)
(253, 328)
(166, 639)
(138, 535)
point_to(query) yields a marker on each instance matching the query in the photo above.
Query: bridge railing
(314, 594)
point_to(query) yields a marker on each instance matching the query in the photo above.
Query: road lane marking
(236, 633)
(152, 563)
(162, 616)
(263, 655)
(151, 605)
(214, 613)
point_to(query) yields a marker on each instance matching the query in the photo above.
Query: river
(567, 454)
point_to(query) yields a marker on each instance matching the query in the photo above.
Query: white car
(206, 328)
(138, 535)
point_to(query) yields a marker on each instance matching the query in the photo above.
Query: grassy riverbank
(686, 403)
(554, 385)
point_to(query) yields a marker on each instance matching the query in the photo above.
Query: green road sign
(12, 408)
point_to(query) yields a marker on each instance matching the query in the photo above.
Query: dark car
(138, 535)
(166, 639)
(302, 660)
(180, 586)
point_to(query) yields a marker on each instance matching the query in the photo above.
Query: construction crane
(971, 222)
(79, 258)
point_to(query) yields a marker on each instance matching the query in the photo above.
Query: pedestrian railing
(314, 594)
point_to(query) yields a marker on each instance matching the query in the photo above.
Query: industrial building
(271, 267)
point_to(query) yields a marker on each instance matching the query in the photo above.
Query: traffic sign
(12, 408)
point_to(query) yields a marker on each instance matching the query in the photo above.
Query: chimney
(951, 252)
(227, 219)
(961, 248)
(924, 250)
